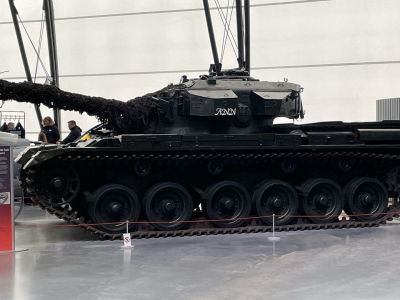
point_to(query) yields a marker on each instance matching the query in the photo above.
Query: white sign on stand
(127, 238)
(127, 241)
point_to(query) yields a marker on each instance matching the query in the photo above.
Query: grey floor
(68, 263)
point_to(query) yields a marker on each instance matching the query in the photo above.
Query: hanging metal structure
(52, 47)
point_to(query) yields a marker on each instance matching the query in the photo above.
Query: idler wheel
(114, 203)
(59, 186)
(168, 205)
(367, 198)
(322, 200)
(228, 200)
(276, 197)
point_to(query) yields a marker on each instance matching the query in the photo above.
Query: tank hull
(177, 185)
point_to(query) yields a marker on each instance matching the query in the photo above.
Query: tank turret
(228, 104)
(210, 104)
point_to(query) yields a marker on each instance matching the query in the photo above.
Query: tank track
(146, 230)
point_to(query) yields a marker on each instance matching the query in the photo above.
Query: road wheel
(227, 201)
(323, 200)
(168, 205)
(114, 204)
(367, 198)
(276, 197)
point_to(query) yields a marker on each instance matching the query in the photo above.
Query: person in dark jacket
(50, 131)
(74, 133)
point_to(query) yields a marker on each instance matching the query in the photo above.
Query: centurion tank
(204, 157)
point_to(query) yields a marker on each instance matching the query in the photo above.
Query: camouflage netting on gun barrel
(132, 116)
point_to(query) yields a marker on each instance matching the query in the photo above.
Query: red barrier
(6, 201)
(31, 225)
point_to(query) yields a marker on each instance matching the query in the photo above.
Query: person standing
(75, 132)
(50, 131)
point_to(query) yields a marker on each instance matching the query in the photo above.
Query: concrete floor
(68, 263)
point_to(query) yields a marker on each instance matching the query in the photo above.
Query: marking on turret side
(225, 112)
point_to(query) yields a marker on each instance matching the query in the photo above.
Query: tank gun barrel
(132, 116)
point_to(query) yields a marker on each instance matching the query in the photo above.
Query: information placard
(6, 200)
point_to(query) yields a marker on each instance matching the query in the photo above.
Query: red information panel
(6, 201)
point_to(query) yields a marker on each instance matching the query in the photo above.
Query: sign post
(6, 200)
(127, 238)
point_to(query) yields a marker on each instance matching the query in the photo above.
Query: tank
(204, 157)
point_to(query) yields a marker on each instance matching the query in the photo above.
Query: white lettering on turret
(225, 112)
